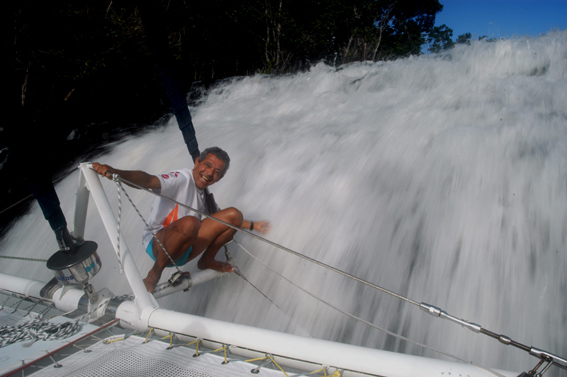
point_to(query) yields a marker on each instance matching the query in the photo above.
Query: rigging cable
(401, 337)
(117, 179)
(343, 312)
(314, 261)
(432, 310)
(239, 273)
(23, 258)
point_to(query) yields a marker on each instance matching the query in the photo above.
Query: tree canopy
(88, 63)
(439, 38)
(80, 63)
(75, 54)
(80, 70)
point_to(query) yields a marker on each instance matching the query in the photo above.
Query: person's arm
(261, 226)
(136, 176)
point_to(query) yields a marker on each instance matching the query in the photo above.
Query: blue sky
(502, 18)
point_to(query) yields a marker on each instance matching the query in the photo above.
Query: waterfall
(442, 178)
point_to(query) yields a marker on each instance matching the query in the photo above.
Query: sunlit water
(441, 178)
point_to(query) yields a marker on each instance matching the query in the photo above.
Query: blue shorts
(180, 262)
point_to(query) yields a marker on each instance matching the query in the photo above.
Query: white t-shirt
(178, 185)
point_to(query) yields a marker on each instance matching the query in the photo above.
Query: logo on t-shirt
(172, 174)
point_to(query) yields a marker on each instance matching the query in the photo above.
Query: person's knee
(187, 225)
(234, 216)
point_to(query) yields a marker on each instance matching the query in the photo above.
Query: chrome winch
(75, 262)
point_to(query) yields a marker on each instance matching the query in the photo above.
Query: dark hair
(218, 153)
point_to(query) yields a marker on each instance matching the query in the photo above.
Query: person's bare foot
(215, 265)
(150, 282)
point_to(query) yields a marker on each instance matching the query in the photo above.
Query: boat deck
(106, 350)
(135, 357)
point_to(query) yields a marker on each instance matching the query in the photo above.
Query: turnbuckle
(544, 356)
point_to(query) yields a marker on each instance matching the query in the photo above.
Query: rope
(118, 186)
(117, 180)
(22, 258)
(314, 261)
(291, 252)
(37, 329)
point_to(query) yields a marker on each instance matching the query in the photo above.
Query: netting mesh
(131, 364)
(133, 358)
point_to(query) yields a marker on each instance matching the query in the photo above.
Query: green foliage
(69, 55)
(221, 38)
(439, 39)
(464, 39)
(66, 55)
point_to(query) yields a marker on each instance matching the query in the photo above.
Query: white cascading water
(441, 178)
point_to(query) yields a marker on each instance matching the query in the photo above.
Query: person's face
(208, 171)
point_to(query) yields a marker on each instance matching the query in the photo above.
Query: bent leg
(212, 236)
(177, 237)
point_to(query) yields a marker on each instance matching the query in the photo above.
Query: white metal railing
(145, 313)
(90, 183)
(290, 350)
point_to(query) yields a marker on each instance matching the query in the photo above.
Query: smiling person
(184, 233)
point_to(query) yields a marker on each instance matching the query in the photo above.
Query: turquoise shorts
(180, 262)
